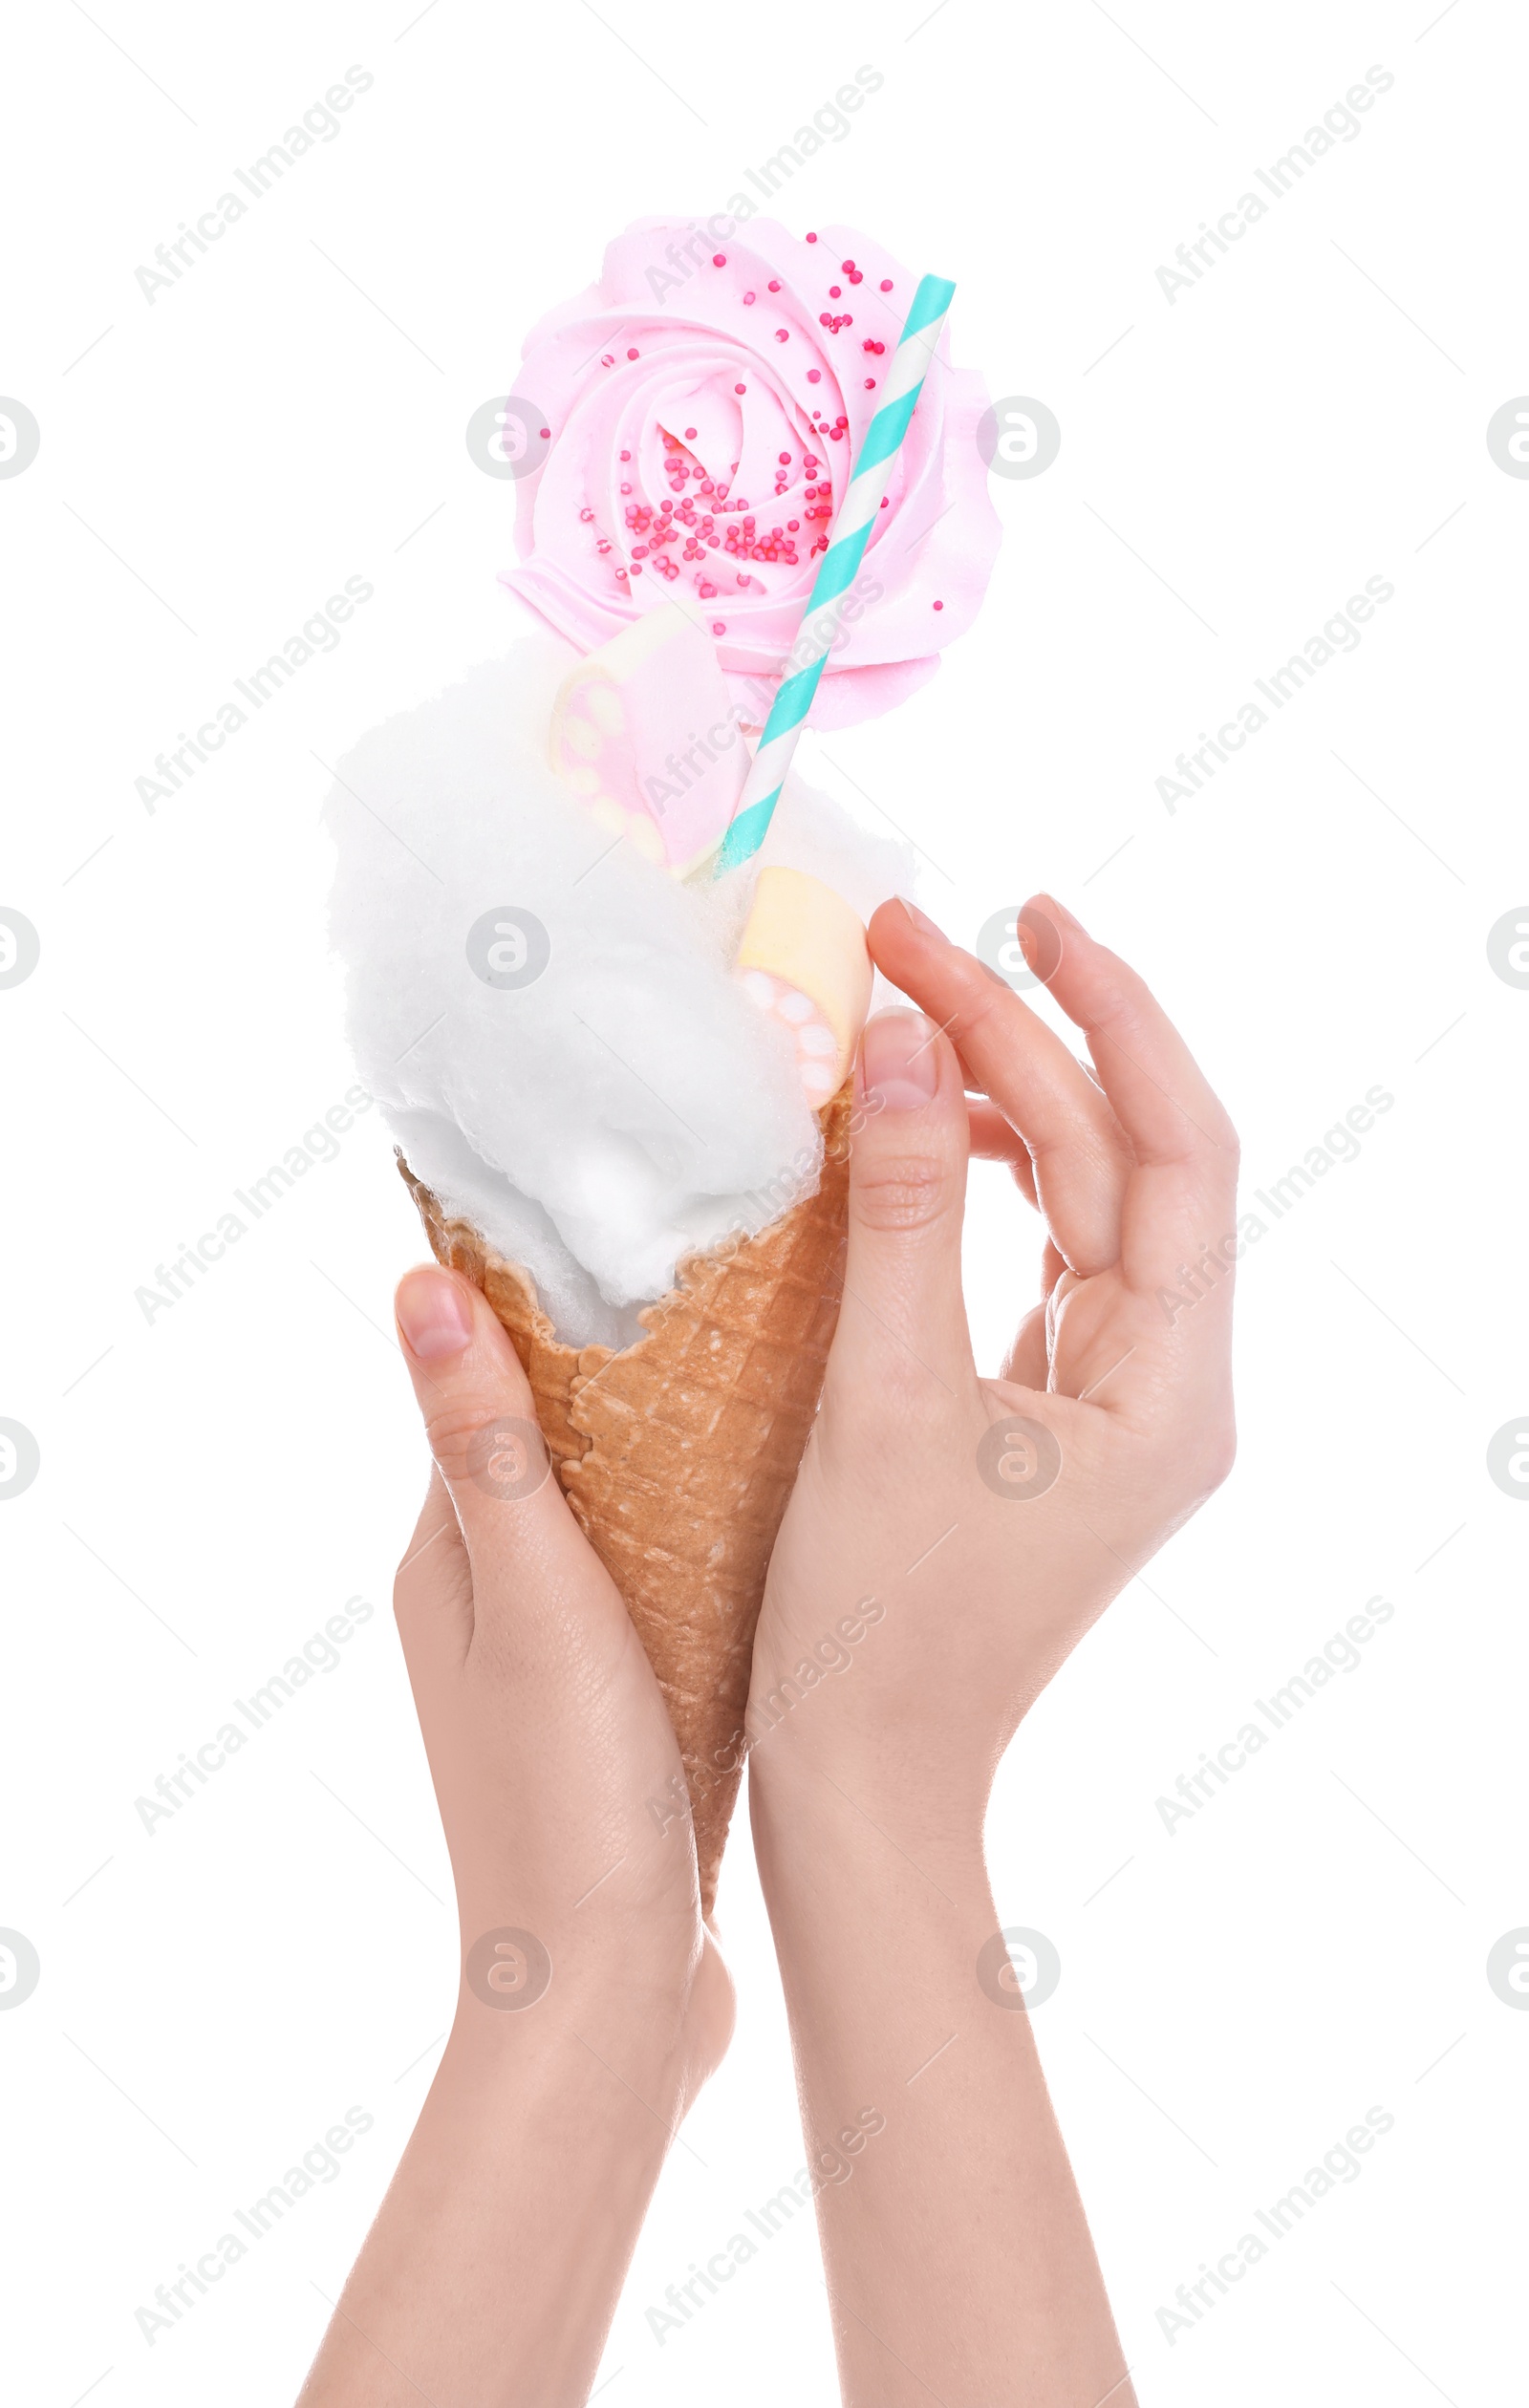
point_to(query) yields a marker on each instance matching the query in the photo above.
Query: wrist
(648, 2026)
(870, 1822)
(855, 1860)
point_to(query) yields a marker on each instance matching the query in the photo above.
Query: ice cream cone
(677, 1454)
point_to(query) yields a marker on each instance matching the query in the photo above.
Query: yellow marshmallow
(805, 936)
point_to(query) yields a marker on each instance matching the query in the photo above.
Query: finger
(1160, 1095)
(526, 1554)
(1080, 1160)
(902, 1324)
(432, 1587)
(992, 1139)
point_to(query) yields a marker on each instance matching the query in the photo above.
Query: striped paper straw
(793, 698)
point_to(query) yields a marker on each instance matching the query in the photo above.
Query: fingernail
(921, 921)
(1068, 919)
(898, 1061)
(433, 1313)
(1040, 937)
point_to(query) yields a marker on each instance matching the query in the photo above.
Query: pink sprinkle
(748, 296)
(811, 238)
(871, 384)
(690, 434)
(886, 284)
(626, 488)
(814, 375)
(739, 388)
(775, 282)
(719, 259)
(719, 627)
(547, 434)
(708, 592)
(783, 334)
(636, 568)
(608, 359)
(586, 516)
(884, 502)
(784, 458)
(624, 454)
(855, 276)
(631, 354)
(939, 606)
(792, 525)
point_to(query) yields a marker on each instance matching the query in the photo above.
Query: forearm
(494, 2266)
(958, 2257)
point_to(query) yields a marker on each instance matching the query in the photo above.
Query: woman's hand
(990, 1521)
(949, 1540)
(593, 2003)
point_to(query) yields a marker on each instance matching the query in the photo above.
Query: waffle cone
(679, 1453)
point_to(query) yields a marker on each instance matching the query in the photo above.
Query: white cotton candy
(630, 1105)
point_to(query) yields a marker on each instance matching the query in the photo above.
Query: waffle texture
(678, 1454)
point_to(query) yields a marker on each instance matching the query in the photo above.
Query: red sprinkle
(871, 384)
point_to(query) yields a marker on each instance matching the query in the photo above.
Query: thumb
(903, 1321)
(480, 1418)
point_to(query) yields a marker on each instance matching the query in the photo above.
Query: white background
(213, 1486)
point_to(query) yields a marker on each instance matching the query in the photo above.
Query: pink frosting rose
(705, 403)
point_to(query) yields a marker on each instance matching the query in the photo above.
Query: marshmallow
(644, 734)
(803, 960)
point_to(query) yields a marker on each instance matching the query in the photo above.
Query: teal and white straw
(852, 529)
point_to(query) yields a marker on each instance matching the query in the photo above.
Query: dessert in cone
(668, 885)
(678, 1454)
